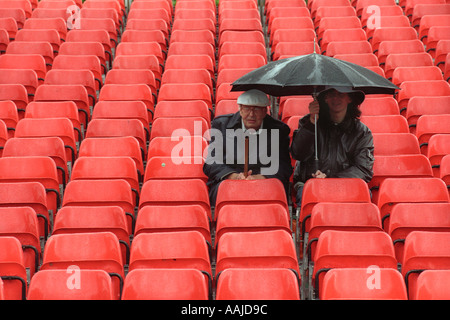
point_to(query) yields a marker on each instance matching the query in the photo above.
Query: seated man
(344, 146)
(268, 155)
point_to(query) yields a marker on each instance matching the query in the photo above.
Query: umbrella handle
(315, 138)
(246, 158)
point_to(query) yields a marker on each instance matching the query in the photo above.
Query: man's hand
(254, 176)
(313, 111)
(319, 174)
(241, 176)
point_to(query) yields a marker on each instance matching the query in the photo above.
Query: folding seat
(193, 13)
(251, 218)
(287, 49)
(409, 190)
(239, 25)
(225, 107)
(87, 219)
(42, 35)
(238, 192)
(190, 146)
(333, 11)
(280, 23)
(431, 21)
(396, 60)
(436, 34)
(442, 49)
(171, 192)
(58, 24)
(433, 285)
(398, 21)
(239, 61)
(171, 250)
(188, 108)
(17, 93)
(140, 48)
(76, 93)
(185, 91)
(438, 146)
(105, 13)
(337, 23)
(388, 47)
(33, 169)
(362, 59)
(425, 105)
(108, 128)
(391, 34)
(22, 224)
(149, 24)
(129, 92)
(292, 35)
(228, 75)
(445, 171)
(375, 105)
(208, 5)
(259, 249)
(81, 62)
(266, 284)
(425, 9)
(165, 284)
(52, 285)
(4, 136)
(408, 5)
(418, 73)
(152, 4)
(192, 217)
(105, 4)
(398, 166)
(103, 168)
(126, 146)
(408, 217)
(50, 127)
(4, 40)
(387, 144)
(361, 5)
(200, 61)
(247, 4)
(102, 192)
(386, 123)
(297, 106)
(145, 36)
(353, 34)
(102, 36)
(414, 88)
(12, 269)
(85, 48)
(100, 24)
(179, 126)
(424, 251)
(192, 36)
(56, 4)
(223, 92)
(33, 47)
(447, 68)
(185, 76)
(347, 47)
(25, 5)
(147, 62)
(319, 3)
(169, 167)
(53, 12)
(9, 115)
(35, 62)
(26, 77)
(93, 251)
(17, 14)
(352, 284)
(241, 36)
(193, 48)
(351, 249)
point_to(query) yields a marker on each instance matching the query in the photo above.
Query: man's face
(337, 101)
(252, 116)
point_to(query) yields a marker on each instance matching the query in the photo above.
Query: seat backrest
(410, 59)
(395, 144)
(179, 126)
(167, 167)
(433, 285)
(133, 109)
(187, 108)
(392, 33)
(255, 284)
(16, 93)
(188, 146)
(401, 74)
(12, 269)
(386, 123)
(428, 125)
(352, 284)
(165, 284)
(438, 147)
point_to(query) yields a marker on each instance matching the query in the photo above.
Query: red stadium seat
(12, 269)
(433, 285)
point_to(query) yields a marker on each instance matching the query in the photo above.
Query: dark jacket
(227, 125)
(345, 150)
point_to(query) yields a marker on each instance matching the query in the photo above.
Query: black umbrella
(310, 74)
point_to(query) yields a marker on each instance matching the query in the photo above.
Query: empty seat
(9, 115)
(346, 22)
(346, 47)
(395, 144)
(387, 47)
(16, 93)
(81, 62)
(386, 123)
(185, 76)
(435, 34)
(41, 35)
(33, 47)
(413, 190)
(185, 91)
(179, 126)
(100, 35)
(165, 284)
(445, 171)
(22, 223)
(12, 269)
(352, 34)
(26, 77)
(438, 147)
(401, 74)
(424, 251)
(424, 105)
(87, 285)
(392, 33)
(239, 61)
(351, 249)
(363, 284)
(428, 125)
(169, 167)
(94, 251)
(85, 48)
(433, 285)
(183, 147)
(408, 217)
(133, 76)
(362, 59)
(257, 284)
(198, 61)
(87, 219)
(183, 108)
(396, 60)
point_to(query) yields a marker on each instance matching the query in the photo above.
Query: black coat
(218, 166)
(345, 150)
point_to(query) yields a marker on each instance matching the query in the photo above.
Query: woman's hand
(313, 111)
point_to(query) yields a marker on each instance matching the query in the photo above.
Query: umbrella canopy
(312, 73)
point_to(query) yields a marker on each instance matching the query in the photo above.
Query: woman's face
(337, 101)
